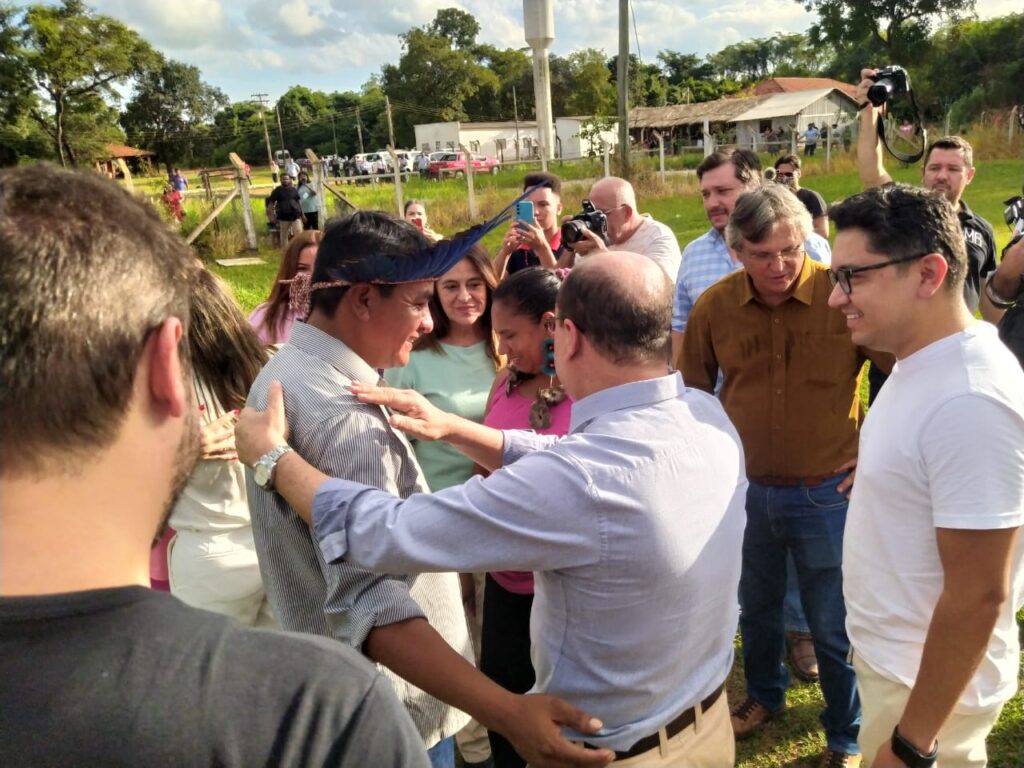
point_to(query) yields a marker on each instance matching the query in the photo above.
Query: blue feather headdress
(387, 269)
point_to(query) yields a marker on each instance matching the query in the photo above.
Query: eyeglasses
(792, 253)
(842, 275)
(550, 323)
(613, 208)
(780, 175)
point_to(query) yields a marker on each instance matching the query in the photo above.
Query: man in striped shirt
(412, 625)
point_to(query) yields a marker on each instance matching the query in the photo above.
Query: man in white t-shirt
(628, 230)
(933, 567)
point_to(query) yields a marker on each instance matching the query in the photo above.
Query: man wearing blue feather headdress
(368, 302)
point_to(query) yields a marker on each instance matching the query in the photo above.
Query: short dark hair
(746, 164)
(82, 289)
(543, 177)
(952, 142)
(788, 160)
(622, 326)
(360, 237)
(902, 221)
(529, 292)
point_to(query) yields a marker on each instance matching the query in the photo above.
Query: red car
(454, 164)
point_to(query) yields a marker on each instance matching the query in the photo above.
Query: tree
(680, 68)
(456, 26)
(895, 25)
(73, 55)
(593, 92)
(170, 104)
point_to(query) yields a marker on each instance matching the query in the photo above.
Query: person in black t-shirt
(96, 669)
(538, 244)
(288, 206)
(787, 171)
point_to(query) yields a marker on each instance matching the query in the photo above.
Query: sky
(249, 46)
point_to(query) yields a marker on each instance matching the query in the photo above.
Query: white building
(510, 141)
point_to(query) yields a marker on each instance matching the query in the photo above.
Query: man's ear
(934, 270)
(360, 298)
(163, 360)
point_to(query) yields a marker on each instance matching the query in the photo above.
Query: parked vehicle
(454, 164)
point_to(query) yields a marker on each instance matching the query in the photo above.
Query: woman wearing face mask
(416, 214)
(525, 395)
(212, 557)
(273, 319)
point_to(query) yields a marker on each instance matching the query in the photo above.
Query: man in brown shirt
(790, 375)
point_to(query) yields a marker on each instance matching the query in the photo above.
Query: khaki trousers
(961, 739)
(708, 743)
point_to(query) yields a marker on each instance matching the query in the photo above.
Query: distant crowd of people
(514, 506)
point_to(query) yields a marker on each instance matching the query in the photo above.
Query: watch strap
(909, 754)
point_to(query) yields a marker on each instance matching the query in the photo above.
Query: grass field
(794, 739)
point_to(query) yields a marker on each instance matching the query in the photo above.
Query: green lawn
(794, 739)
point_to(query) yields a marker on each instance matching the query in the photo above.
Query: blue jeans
(442, 754)
(808, 522)
(792, 611)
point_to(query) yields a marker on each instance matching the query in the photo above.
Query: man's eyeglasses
(780, 175)
(550, 323)
(792, 253)
(842, 275)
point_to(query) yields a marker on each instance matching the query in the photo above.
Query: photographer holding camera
(613, 223)
(948, 168)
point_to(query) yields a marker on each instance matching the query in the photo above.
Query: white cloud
(297, 18)
(181, 24)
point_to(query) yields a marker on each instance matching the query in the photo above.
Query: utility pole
(359, 129)
(515, 112)
(280, 130)
(261, 99)
(391, 127)
(623, 83)
(334, 133)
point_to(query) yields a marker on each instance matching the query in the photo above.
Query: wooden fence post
(242, 186)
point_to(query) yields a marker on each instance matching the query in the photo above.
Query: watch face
(261, 475)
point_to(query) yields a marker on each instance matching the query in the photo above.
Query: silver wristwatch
(263, 470)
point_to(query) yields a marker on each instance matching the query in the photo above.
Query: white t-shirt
(942, 447)
(656, 241)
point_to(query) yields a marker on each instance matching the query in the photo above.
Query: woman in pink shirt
(273, 318)
(523, 397)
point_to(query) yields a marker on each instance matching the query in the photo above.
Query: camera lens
(878, 93)
(572, 231)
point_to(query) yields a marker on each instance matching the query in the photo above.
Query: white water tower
(539, 25)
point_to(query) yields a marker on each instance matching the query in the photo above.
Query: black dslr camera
(1014, 216)
(890, 83)
(591, 218)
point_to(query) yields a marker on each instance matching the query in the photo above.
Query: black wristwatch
(908, 753)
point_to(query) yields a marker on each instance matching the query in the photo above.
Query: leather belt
(794, 482)
(687, 718)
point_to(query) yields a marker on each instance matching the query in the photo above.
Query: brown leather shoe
(830, 759)
(801, 656)
(748, 718)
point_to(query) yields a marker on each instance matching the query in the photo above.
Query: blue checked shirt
(707, 260)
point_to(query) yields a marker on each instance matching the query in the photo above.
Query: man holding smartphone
(538, 242)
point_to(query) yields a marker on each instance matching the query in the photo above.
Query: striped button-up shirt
(707, 260)
(342, 437)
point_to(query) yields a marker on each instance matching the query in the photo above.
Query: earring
(548, 349)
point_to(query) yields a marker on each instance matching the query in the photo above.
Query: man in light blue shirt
(633, 522)
(724, 175)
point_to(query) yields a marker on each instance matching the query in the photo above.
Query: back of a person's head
(225, 351)
(83, 285)
(625, 320)
(901, 221)
(746, 164)
(545, 178)
(529, 292)
(357, 243)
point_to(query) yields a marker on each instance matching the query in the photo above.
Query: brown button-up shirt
(790, 373)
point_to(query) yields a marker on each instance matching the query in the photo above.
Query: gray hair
(759, 210)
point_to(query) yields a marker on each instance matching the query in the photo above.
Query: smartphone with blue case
(524, 212)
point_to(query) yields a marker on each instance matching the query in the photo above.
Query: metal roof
(787, 104)
(729, 110)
